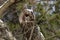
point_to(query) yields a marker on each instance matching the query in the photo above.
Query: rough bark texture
(5, 6)
(5, 33)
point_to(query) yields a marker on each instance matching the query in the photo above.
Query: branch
(5, 6)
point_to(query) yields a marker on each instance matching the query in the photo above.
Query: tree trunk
(5, 34)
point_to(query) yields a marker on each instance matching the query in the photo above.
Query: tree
(5, 6)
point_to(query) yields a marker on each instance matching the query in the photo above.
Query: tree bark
(5, 33)
(5, 6)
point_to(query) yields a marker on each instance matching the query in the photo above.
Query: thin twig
(50, 37)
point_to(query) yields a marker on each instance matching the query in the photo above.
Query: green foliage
(13, 26)
(58, 6)
(50, 24)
